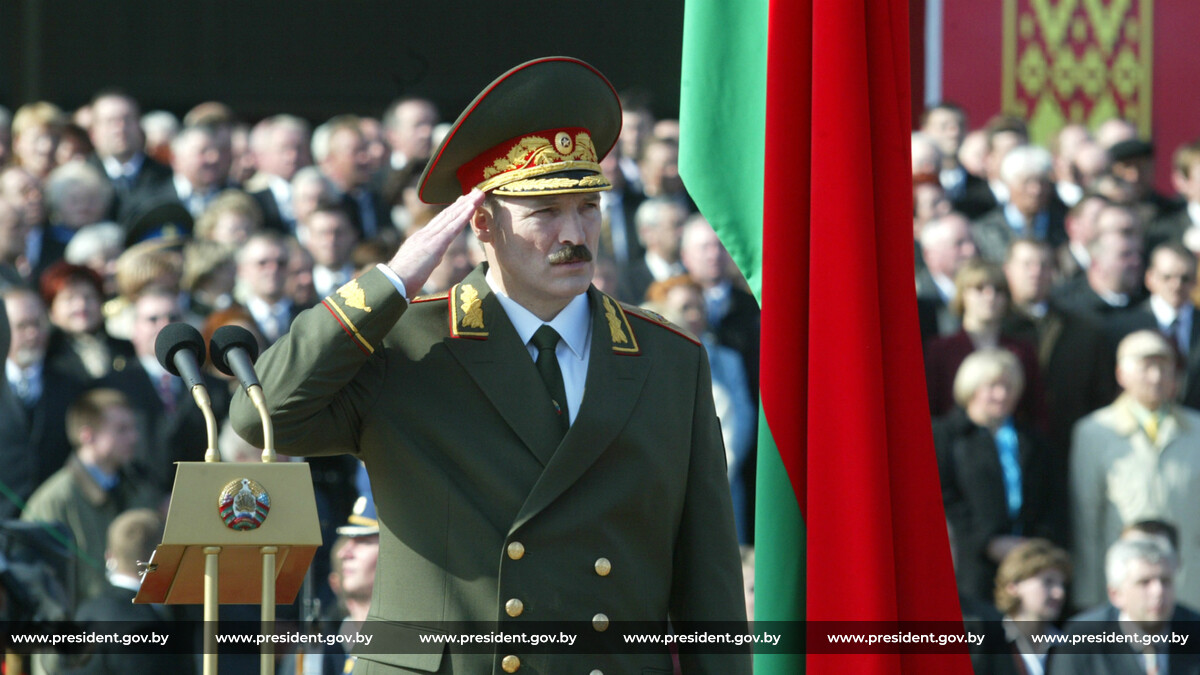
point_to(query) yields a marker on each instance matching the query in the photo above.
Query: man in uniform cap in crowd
(549, 454)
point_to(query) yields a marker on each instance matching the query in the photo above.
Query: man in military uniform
(541, 452)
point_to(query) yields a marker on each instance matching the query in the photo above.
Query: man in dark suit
(117, 138)
(1171, 278)
(262, 266)
(946, 123)
(33, 408)
(1183, 224)
(1113, 283)
(1143, 636)
(172, 427)
(280, 146)
(659, 226)
(511, 496)
(945, 245)
(340, 150)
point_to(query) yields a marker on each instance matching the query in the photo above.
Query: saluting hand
(422, 252)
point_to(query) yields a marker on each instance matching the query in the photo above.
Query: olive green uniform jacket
(479, 504)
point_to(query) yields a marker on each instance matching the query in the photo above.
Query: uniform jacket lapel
(617, 371)
(495, 358)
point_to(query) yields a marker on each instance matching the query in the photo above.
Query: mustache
(570, 254)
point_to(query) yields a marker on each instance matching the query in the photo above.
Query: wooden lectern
(236, 533)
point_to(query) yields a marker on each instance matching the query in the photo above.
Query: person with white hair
(1026, 172)
(1141, 582)
(1136, 459)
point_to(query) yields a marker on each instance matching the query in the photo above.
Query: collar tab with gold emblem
(624, 342)
(466, 313)
(539, 129)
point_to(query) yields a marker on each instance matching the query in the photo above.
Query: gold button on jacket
(510, 664)
(514, 607)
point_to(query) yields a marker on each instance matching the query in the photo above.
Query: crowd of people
(115, 222)
(1057, 293)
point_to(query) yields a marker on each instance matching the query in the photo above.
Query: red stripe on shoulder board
(678, 331)
(345, 328)
(430, 298)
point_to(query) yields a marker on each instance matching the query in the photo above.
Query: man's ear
(481, 224)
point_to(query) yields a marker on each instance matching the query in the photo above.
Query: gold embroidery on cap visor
(520, 170)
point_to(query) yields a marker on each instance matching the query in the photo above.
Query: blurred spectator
(310, 188)
(261, 278)
(945, 246)
(981, 301)
(637, 129)
(160, 128)
(659, 169)
(280, 147)
(733, 313)
(93, 488)
(1113, 282)
(242, 165)
(339, 149)
(14, 268)
(1031, 592)
(1114, 130)
(117, 137)
(946, 124)
(230, 219)
(1133, 162)
(1182, 225)
(131, 538)
(1004, 133)
(1171, 280)
(21, 189)
(1136, 459)
(1025, 172)
(43, 394)
(78, 345)
(76, 195)
(36, 129)
(604, 278)
(196, 160)
(926, 155)
(171, 426)
(353, 557)
(408, 126)
(659, 227)
(73, 146)
(233, 315)
(377, 150)
(330, 237)
(223, 122)
(299, 284)
(149, 263)
(209, 275)
(1141, 578)
(1074, 356)
(1064, 147)
(992, 470)
(972, 154)
(1080, 225)
(618, 238)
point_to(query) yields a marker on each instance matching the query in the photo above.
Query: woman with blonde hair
(36, 129)
(993, 471)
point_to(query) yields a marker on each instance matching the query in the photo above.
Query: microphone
(233, 350)
(180, 349)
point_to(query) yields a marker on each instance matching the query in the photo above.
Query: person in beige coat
(1136, 459)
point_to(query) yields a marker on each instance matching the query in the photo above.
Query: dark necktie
(546, 340)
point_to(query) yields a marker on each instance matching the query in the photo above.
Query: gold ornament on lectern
(244, 504)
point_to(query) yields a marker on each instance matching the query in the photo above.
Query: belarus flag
(795, 126)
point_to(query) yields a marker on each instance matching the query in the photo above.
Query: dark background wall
(316, 58)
